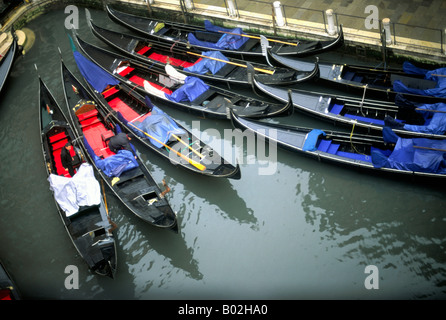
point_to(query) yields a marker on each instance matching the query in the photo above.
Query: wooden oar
(233, 63)
(191, 161)
(256, 37)
(105, 199)
(193, 150)
(427, 148)
(429, 110)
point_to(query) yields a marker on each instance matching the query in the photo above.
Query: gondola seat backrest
(88, 118)
(143, 50)
(328, 146)
(125, 71)
(106, 137)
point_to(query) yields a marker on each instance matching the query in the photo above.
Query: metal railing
(296, 17)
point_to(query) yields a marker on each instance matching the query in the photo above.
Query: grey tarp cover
(81, 190)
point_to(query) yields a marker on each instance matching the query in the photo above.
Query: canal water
(308, 230)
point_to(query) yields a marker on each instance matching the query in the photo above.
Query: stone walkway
(423, 13)
(417, 26)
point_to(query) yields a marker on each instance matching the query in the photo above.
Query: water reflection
(206, 190)
(392, 224)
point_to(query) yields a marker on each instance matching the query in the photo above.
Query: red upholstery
(173, 61)
(107, 93)
(87, 115)
(144, 50)
(120, 106)
(57, 148)
(57, 137)
(93, 134)
(126, 71)
(5, 294)
(106, 136)
(93, 130)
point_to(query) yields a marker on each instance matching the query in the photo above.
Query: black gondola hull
(293, 138)
(177, 33)
(89, 227)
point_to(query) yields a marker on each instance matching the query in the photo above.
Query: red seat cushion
(143, 50)
(107, 93)
(173, 61)
(57, 149)
(126, 71)
(57, 137)
(87, 114)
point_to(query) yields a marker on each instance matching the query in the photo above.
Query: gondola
(8, 288)
(210, 65)
(405, 117)
(123, 172)
(78, 198)
(170, 85)
(376, 83)
(416, 158)
(151, 125)
(7, 61)
(211, 37)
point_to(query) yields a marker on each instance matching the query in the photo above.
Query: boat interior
(57, 138)
(94, 130)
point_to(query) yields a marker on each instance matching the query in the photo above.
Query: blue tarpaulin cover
(435, 121)
(437, 75)
(95, 75)
(114, 165)
(311, 140)
(418, 154)
(208, 65)
(189, 91)
(159, 126)
(389, 136)
(227, 41)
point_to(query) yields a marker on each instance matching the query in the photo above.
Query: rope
(351, 142)
(173, 45)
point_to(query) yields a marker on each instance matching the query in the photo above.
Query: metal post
(331, 28)
(394, 33)
(441, 40)
(231, 8)
(149, 2)
(278, 13)
(386, 24)
(183, 10)
(189, 4)
(384, 46)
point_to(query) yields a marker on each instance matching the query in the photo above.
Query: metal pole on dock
(278, 13)
(231, 8)
(386, 24)
(331, 26)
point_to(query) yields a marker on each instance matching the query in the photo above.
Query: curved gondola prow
(341, 39)
(316, 72)
(336, 43)
(252, 78)
(290, 104)
(264, 43)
